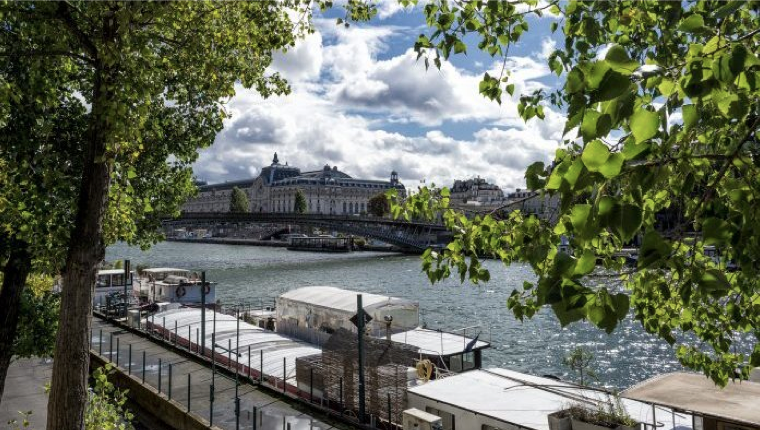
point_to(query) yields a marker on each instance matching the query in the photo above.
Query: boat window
(487, 427)
(462, 362)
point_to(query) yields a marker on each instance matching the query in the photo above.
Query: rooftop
(340, 299)
(434, 342)
(695, 393)
(525, 400)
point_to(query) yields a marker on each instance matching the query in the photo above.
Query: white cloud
(349, 96)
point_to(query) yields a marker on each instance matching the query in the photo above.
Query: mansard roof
(243, 183)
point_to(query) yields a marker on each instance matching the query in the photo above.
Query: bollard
(159, 376)
(189, 392)
(129, 366)
(163, 329)
(100, 342)
(175, 333)
(283, 422)
(117, 352)
(169, 392)
(143, 366)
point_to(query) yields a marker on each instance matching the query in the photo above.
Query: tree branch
(64, 9)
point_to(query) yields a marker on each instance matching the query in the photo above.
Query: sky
(361, 101)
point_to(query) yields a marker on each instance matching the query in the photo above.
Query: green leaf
(612, 166)
(644, 124)
(690, 116)
(716, 232)
(714, 281)
(622, 303)
(595, 154)
(694, 23)
(613, 85)
(585, 263)
(619, 60)
(579, 216)
(653, 250)
(574, 81)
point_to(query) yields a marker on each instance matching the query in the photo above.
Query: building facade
(475, 190)
(327, 191)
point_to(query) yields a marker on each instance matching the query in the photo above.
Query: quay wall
(267, 243)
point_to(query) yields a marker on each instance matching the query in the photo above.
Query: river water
(537, 346)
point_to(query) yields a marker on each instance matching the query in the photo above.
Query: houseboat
(164, 284)
(111, 283)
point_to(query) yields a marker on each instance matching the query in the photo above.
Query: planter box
(582, 425)
(559, 422)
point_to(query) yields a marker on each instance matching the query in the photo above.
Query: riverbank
(268, 243)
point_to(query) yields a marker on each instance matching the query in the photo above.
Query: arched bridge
(415, 236)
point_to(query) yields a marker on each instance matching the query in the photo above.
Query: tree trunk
(68, 394)
(14, 278)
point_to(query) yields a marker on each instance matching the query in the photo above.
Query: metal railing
(224, 364)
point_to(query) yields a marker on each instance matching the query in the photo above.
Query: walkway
(25, 391)
(177, 372)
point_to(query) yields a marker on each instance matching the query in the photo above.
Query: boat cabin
(109, 282)
(502, 399)
(325, 309)
(177, 286)
(450, 351)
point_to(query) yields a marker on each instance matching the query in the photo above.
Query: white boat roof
(276, 347)
(164, 269)
(736, 402)
(434, 342)
(111, 272)
(525, 400)
(339, 299)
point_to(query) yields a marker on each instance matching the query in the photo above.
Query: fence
(270, 370)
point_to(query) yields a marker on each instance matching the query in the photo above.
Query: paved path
(25, 391)
(274, 414)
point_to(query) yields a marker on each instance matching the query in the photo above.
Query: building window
(344, 207)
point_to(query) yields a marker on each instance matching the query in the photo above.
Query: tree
(581, 360)
(238, 201)
(299, 206)
(379, 205)
(154, 92)
(662, 112)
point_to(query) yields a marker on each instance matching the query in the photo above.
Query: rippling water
(535, 346)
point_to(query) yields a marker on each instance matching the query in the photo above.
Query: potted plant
(609, 415)
(560, 420)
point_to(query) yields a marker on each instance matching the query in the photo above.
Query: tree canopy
(662, 113)
(142, 83)
(379, 205)
(238, 201)
(299, 206)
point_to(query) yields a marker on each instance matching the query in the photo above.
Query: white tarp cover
(526, 400)
(433, 342)
(340, 299)
(274, 346)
